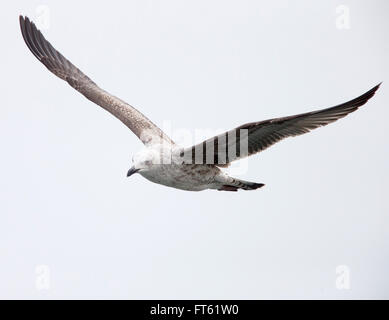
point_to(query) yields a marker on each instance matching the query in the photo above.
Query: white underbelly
(185, 177)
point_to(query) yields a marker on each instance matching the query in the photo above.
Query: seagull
(162, 161)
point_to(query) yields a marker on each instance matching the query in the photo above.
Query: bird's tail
(240, 184)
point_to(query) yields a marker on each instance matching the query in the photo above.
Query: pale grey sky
(67, 205)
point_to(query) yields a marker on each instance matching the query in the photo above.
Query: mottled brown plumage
(263, 134)
(195, 168)
(144, 129)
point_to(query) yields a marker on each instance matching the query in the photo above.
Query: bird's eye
(148, 162)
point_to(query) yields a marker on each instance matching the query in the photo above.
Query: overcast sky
(73, 226)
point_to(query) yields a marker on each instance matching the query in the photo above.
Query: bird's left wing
(255, 137)
(146, 131)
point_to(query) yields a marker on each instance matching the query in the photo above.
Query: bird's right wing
(255, 137)
(146, 131)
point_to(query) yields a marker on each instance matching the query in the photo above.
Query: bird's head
(143, 161)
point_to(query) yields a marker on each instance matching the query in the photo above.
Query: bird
(161, 160)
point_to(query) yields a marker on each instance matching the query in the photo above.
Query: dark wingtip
(21, 22)
(372, 92)
(361, 100)
(23, 19)
(376, 87)
(258, 185)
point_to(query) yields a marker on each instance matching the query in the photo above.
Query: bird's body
(168, 168)
(162, 161)
(195, 177)
(189, 177)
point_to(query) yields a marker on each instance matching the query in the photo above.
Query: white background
(66, 202)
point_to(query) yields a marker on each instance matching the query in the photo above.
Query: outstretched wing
(257, 136)
(146, 131)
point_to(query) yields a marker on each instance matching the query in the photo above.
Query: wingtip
(21, 20)
(373, 90)
(24, 19)
(369, 94)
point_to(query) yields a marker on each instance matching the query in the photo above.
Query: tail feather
(237, 184)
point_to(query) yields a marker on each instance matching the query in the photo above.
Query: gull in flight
(162, 161)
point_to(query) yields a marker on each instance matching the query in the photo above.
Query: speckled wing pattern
(144, 129)
(263, 134)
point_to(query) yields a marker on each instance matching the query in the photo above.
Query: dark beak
(132, 171)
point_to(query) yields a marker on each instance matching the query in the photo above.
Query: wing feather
(263, 134)
(144, 129)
